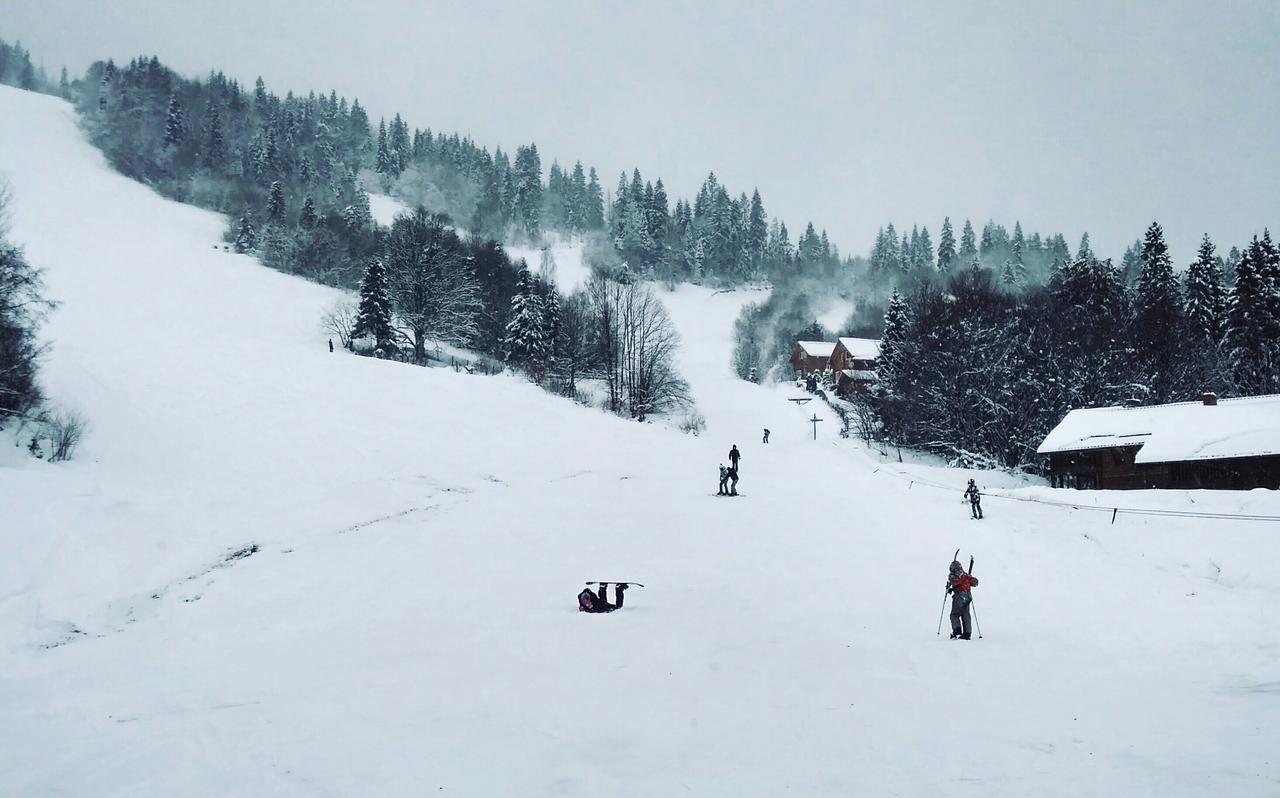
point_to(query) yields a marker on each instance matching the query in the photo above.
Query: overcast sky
(1068, 116)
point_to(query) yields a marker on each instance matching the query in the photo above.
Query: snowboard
(730, 495)
(628, 584)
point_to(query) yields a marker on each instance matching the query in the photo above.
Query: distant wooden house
(810, 356)
(1229, 444)
(853, 364)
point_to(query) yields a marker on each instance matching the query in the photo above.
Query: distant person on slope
(724, 481)
(596, 602)
(766, 435)
(958, 586)
(733, 475)
(734, 455)
(975, 500)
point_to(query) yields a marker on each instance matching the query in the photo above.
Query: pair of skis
(628, 584)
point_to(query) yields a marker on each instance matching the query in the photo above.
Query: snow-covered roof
(816, 348)
(1244, 427)
(862, 348)
(860, 374)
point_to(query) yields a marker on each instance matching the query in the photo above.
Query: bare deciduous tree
(339, 320)
(636, 344)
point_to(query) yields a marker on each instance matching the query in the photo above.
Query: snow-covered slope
(406, 623)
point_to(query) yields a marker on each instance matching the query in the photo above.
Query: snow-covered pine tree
(946, 247)
(307, 218)
(1206, 297)
(373, 318)
(246, 236)
(892, 340)
(525, 345)
(1252, 350)
(382, 161)
(275, 203)
(1158, 322)
(175, 126)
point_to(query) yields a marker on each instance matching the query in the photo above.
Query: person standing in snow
(596, 602)
(975, 500)
(734, 455)
(331, 346)
(733, 475)
(959, 584)
(724, 481)
(766, 434)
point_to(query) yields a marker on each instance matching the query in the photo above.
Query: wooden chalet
(853, 364)
(810, 356)
(1231, 444)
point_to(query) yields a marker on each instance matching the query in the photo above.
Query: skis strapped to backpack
(628, 584)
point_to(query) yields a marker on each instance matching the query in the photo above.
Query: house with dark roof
(1229, 444)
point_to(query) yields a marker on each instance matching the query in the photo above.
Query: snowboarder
(724, 481)
(596, 602)
(958, 587)
(733, 475)
(734, 455)
(766, 434)
(330, 346)
(975, 500)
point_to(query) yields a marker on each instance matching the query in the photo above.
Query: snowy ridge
(280, 571)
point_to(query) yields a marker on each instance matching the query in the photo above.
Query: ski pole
(942, 612)
(976, 625)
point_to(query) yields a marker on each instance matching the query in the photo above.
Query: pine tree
(968, 243)
(757, 228)
(1158, 320)
(924, 251)
(1084, 251)
(1206, 297)
(525, 345)
(893, 340)
(946, 247)
(1249, 349)
(373, 319)
(275, 203)
(528, 190)
(382, 161)
(594, 202)
(246, 236)
(307, 218)
(175, 126)
(64, 86)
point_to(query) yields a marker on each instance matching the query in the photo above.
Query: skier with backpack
(975, 500)
(959, 585)
(597, 602)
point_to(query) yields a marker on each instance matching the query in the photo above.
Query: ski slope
(279, 571)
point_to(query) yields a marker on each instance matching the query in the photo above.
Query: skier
(330, 346)
(724, 481)
(958, 586)
(733, 475)
(734, 455)
(975, 500)
(596, 602)
(766, 434)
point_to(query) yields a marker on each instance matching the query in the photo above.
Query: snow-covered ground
(385, 209)
(569, 266)
(406, 624)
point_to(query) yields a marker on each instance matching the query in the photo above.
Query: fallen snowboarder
(596, 602)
